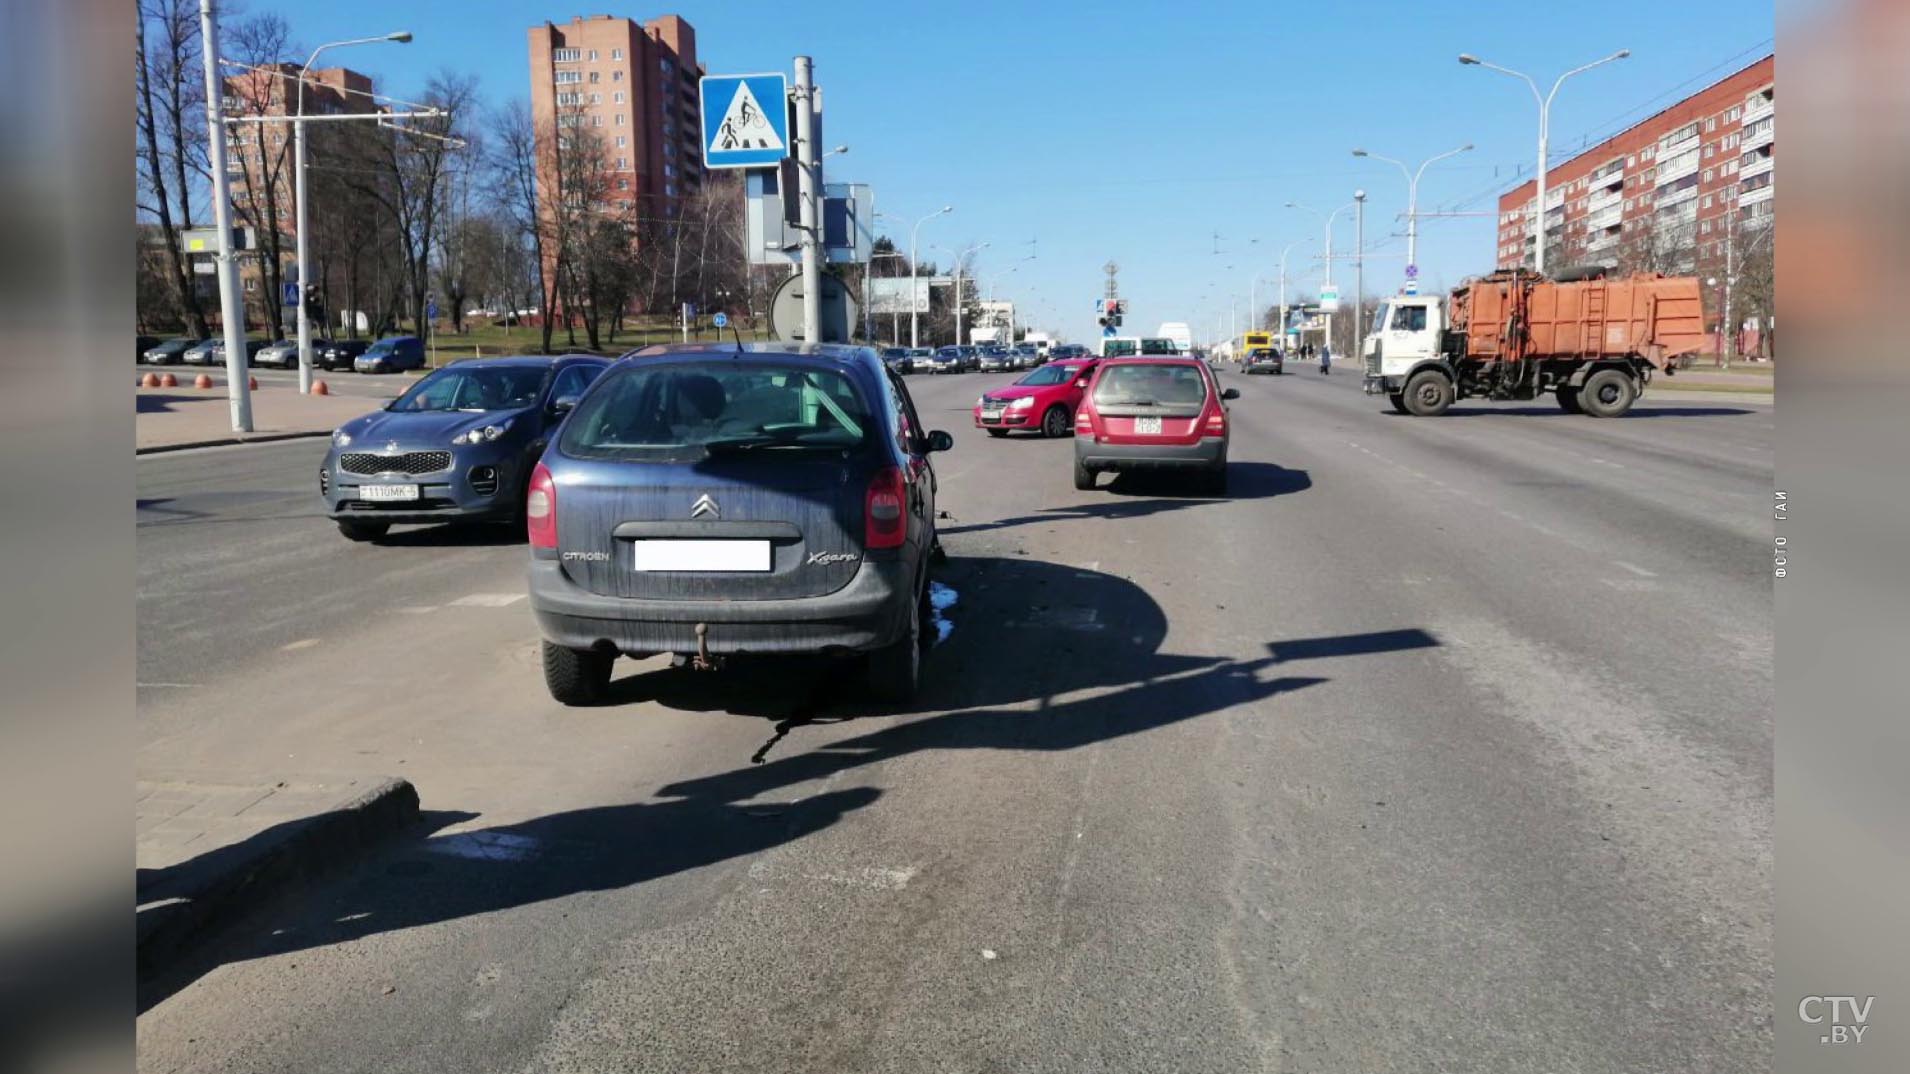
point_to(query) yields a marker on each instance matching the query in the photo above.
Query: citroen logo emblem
(704, 507)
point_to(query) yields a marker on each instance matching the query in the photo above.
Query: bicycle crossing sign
(745, 120)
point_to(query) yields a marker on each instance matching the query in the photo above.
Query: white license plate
(1147, 426)
(691, 555)
(387, 493)
(991, 415)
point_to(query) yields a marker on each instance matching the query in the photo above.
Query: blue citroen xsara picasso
(763, 498)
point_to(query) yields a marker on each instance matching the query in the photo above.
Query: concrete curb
(257, 438)
(211, 891)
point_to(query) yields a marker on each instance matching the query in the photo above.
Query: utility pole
(231, 307)
(807, 164)
(1359, 273)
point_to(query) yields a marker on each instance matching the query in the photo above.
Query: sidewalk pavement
(172, 418)
(208, 852)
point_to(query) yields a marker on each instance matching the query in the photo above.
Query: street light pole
(1359, 274)
(1329, 218)
(914, 314)
(1283, 291)
(1545, 134)
(1412, 199)
(298, 196)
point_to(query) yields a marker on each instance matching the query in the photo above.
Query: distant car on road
(457, 446)
(971, 357)
(705, 500)
(997, 360)
(1044, 400)
(339, 354)
(393, 354)
(1264, 360)
(1063, 351)
(1027, 356)
(169, 352)
(897, 358)
(282, 354)
(949, 360)
(201, 353)
(920, 358)
(1160, 413)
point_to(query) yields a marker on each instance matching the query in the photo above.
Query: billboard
(890, 295)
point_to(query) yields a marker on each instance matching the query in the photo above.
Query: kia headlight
(341, 438)
(482, 435)
(1022, 403)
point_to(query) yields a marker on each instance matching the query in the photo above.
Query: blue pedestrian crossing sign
(721, 320)
(745, 120)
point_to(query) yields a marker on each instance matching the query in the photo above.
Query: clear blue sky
(1137, 131)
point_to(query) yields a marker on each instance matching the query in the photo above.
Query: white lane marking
(302, 643)
(418, 609)
(1639, 571)
(1626, 585)
(167, 685)
(487, 600)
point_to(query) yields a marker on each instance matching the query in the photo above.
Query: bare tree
(514, 163)
(261, 198)
(409, 169)
(165, 93)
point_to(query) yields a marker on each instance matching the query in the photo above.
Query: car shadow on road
(1138, 495)
(1028, 681)
(455, 535)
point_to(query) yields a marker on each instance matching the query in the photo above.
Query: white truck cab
(1407, 331)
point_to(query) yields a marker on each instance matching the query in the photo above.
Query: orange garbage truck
(1593, 342)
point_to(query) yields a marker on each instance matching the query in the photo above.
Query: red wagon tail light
(883, 523)
(1216, 423)
(540, 509)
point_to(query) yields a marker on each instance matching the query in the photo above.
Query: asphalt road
(1439, 744)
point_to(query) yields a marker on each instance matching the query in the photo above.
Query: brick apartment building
(1663, 194)
(635, 86)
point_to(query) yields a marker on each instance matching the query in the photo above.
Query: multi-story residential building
(632, 85)
(1666, 194)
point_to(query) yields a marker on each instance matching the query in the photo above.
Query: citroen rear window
(685, 411)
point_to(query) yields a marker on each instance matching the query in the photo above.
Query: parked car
(1264, 360)
(710, 500)
(1162, 413)
(393, 354)
(338, 355)
(996, 359)
(1027, 356)
(949, 360)
(457, 446)
(1044, 400)
(215, 355)
(897, 358)
(169, 352)
(142, 344)
(282, 354)
(920, 358)
(201, 353)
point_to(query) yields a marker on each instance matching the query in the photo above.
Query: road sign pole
(807, 162)
(231, 309)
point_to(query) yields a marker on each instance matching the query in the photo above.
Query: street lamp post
(1412, 203)
(1328, 218)
(959, 259)
(1283, 291)
(1545, 133)
(914, 314)
(298, 178)
(1359, 274)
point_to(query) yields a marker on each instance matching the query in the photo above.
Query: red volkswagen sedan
(1044, 400)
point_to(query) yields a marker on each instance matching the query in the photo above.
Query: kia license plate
(1147, 426)
(387, 493)
(693, 555)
